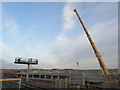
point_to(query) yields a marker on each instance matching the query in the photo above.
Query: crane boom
(102, 65)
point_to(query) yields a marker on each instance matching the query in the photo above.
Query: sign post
(28, 61)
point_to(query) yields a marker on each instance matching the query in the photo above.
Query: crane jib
(102, 65)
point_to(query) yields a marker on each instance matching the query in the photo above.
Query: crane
(101, 63)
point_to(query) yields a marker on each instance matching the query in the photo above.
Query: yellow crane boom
(102, 65)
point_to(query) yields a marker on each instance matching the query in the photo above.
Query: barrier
(70, 84)
(11, 79)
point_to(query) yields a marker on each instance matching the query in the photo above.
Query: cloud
(11, 65)
(68, 16)
(7, 56)
(71, 50)
(65, 51)
(11, 26)
(23, 46)
(45, 58)
(6, 51)
(104, 34)
(107, 40)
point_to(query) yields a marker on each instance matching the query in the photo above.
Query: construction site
(56, 78)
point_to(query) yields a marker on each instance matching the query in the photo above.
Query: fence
(113, 82)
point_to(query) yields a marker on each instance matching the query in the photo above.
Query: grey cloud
(105, 37)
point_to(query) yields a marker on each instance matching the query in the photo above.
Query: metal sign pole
(28, 61)
(28, 72)
(20, 84)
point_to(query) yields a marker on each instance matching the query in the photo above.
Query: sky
(51, 32)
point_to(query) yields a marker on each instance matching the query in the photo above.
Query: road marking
(11, 79)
